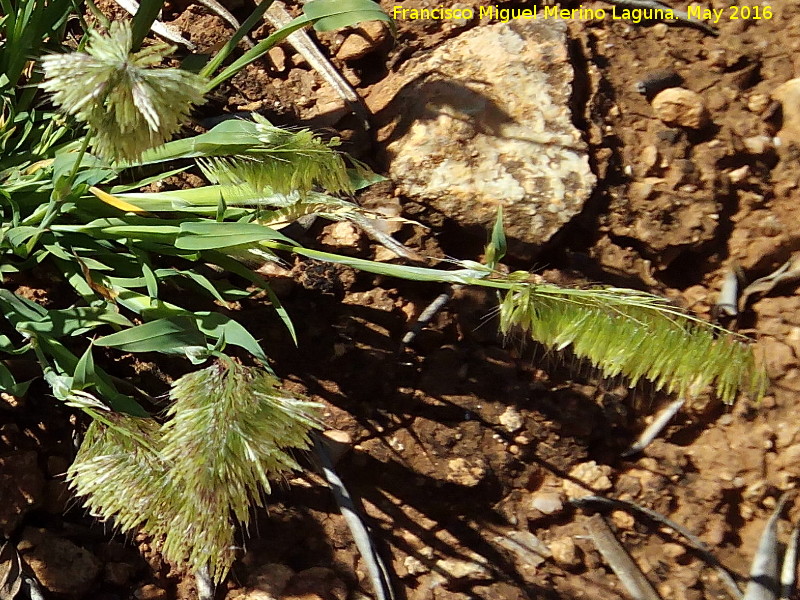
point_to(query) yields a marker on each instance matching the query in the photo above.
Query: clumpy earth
(464, 450)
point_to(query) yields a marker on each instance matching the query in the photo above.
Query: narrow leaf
(335, 14)
(75, 321)
(84, 371)
(219, 326)
(234, 266)
(18, 309)
(117, 202)
(209, 235)
(143, 20)
(170, 335)
(9, 385)
(497, 247)
(67, 362)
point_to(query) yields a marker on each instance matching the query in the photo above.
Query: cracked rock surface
(483, 120)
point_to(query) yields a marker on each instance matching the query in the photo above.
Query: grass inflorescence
(637, 335)
(193, 480)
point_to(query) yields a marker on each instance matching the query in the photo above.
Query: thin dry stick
(161, 29)
(765, 570)
(728, 300)
(702, 549)
(651, 431)
(789, 569)
(619, 560)
(278, 16)
(376, 569)
(428, 314)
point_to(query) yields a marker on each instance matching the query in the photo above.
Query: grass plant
(70, 199)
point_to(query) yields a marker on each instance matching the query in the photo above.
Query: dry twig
(278, 16)
(651, 431)
(619, 560)
(702, 549)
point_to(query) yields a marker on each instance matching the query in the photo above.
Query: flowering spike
(637, 335)
(129, 105)
(284, 162)
(193, 479)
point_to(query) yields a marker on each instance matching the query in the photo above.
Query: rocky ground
(465, 449)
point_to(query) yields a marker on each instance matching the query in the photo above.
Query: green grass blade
(497, 246)
(219, 326)
(335, 14)
(143, 20)
(259, 50)
(67, 362)
(171, 335)
(232, 265)
(84, 371)
(230, 45)
(231, 137)
(18, 309)
(210, 235)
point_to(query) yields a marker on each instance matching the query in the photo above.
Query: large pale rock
(788, 94)
(484, 120)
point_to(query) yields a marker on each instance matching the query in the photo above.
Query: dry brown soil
(463, 447)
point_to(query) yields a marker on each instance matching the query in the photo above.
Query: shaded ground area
(465, 449)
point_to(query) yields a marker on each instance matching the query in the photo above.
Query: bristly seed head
(191, 480)
(129, 105)
(637, 335)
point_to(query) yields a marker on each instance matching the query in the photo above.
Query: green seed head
(129, 105)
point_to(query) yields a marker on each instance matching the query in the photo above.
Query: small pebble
(660, 30)
(547, 502)
(466, 473)
(463, 21)
(594, 477)
(740, 174)
(150, 591)
(277, 56)
(470, 570)
(365, 39)
(341, 235)
(414, 566)
(673, 550)
(564, 551)
(757, 103)
(788, 94)
(682, 107)
(511, 419)
(622, 519)
(758, 144)
(649, 157)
